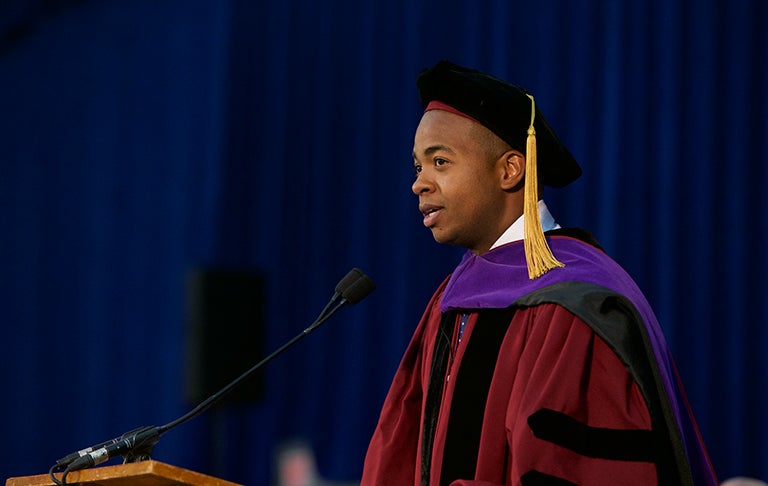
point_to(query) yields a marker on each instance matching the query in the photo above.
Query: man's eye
(417, 169)
(439, 162)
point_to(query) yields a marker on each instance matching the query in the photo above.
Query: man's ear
(514, 170)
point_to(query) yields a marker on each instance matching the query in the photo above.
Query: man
(538, 361)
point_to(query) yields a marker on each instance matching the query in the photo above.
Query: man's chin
(444, 239)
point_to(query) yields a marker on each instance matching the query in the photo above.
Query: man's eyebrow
(434, 148)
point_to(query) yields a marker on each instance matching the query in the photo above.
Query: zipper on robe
(458, 333)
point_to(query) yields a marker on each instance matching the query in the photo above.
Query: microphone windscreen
(359, 288)
(348, 280)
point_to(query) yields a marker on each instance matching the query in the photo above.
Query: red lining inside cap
(439, 105)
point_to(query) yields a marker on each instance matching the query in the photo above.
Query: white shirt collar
(515, 232)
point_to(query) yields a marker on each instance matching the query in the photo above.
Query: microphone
(350, 290)
(355, 286)
(354, 282)
(350, 278)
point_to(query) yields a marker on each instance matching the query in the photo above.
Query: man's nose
(422, 184)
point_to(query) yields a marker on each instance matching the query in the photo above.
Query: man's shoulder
(589, 301)
(611, 316)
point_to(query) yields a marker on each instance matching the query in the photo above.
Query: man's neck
(515, 232)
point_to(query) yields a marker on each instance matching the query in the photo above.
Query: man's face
(458, 181)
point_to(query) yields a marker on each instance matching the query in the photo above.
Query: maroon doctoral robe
(561, 380)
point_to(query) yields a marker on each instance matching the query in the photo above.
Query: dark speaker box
(225, 326)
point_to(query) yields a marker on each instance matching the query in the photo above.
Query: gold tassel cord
(538, 255)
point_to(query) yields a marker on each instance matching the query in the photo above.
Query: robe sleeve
(395, 446)
(574, 412)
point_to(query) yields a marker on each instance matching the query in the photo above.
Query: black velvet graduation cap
(510, 113)
(502, 108)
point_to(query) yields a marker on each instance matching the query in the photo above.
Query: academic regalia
(561, 374)
(563, 379)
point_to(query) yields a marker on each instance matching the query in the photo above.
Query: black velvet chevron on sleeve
(598, 442)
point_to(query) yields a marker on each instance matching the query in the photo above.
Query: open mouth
(431, 213)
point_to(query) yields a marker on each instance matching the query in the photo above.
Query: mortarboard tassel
(537, 253)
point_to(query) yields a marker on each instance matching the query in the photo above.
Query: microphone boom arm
(137, 444)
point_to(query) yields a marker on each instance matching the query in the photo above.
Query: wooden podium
(144, 473)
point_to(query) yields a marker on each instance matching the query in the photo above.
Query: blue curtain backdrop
(141, 140)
